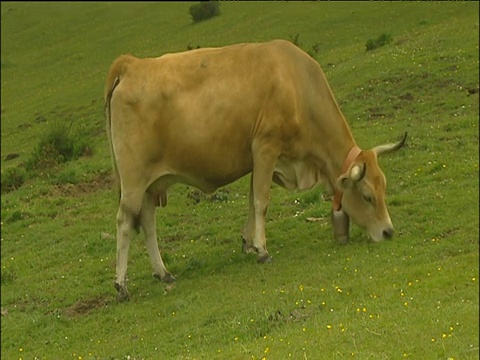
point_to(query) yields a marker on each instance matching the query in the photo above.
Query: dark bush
(204, 10)
(378, 42)
(295, 39)
(57, 146)
(191, 47)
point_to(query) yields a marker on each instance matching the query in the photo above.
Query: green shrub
(59, 145)
(12, 179)
(204, 10)
(378, 42)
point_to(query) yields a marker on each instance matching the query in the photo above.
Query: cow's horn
(383, 149)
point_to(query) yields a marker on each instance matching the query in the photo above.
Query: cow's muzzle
(387, 233)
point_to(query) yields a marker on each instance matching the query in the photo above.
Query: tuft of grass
(68, 176)
(382, 40)
(295, 39)
(315, 49)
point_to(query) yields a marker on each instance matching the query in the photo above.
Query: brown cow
(208, 117)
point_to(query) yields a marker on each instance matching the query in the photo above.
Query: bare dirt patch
(196, 196)
(84, 307)
(102, 181)
(11, 156)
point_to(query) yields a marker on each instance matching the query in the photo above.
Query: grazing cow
(207, 117)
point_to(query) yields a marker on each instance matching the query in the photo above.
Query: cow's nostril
(388, 233)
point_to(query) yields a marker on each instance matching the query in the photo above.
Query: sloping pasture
(413, 297)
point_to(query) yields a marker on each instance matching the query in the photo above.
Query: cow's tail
(114, 77)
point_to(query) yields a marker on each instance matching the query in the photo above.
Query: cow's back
(196, 114)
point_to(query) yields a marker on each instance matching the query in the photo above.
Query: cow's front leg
(248, 232)
(262, 174)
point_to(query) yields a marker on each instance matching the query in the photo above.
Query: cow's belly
(202, 169)
(207, 185)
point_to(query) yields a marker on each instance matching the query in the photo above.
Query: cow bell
(340, 224)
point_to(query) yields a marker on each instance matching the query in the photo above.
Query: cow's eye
(368, 198)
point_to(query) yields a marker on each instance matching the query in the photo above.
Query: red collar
(337, 196)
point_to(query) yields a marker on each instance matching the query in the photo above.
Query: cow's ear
(357, 171)
(354, 174)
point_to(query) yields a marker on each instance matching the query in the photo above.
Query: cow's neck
(339, 145)
(350, 158)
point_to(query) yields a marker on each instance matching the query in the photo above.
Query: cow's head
(363, 186)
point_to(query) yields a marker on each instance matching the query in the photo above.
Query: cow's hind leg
(127, 220)
(248, 232)
(148, 223)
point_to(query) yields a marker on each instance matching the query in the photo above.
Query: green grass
(413, 297)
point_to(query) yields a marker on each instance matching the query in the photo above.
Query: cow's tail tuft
(113, 79)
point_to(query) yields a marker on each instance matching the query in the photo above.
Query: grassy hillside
(413, 297)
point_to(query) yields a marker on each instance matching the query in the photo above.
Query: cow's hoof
(264, 259)
(168, 278)
(247, 248)
(341, 239)
(122, 293)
